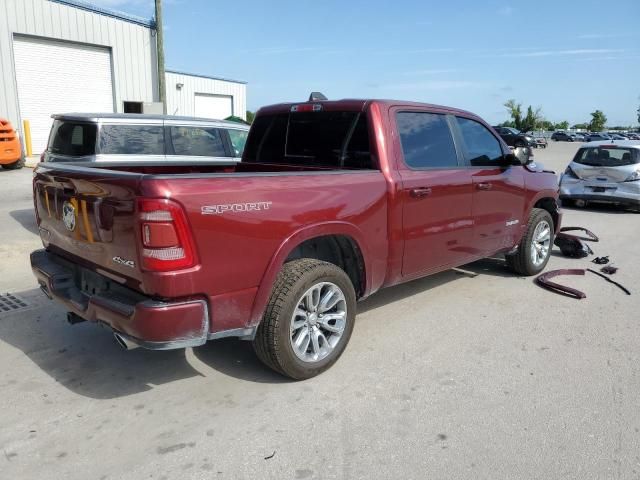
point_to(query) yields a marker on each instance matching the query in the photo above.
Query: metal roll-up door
(213, 106)
(60, 77)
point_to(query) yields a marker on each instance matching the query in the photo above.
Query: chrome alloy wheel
(541, 243)
(318, 322)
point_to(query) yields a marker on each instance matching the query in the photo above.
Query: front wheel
(308, 320)
(534, 249)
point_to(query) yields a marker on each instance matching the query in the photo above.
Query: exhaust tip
(125, 342)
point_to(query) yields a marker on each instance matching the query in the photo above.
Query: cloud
(556, 53)
(595, 36)
(280, 50)
(431, 71)
(506, 11)
(419, 50)
(433, 85)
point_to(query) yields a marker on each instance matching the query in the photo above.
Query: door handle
(484, 186)
(420, 192)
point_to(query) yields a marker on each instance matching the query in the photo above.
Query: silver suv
(603, 172)
(87, 137)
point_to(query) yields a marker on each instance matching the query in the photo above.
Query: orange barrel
(10, 150)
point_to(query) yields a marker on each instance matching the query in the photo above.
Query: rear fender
(289, 244)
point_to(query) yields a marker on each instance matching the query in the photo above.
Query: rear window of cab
(607, 156)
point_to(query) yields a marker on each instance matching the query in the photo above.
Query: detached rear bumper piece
(149, 323)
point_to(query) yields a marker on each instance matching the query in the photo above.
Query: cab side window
(197, 142)
(426, 140)
(481, 147)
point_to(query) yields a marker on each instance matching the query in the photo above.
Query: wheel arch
(339, 243)
(550, 204)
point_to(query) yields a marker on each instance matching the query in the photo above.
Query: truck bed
(239, 215)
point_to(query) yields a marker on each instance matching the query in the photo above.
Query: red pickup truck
(332, 201)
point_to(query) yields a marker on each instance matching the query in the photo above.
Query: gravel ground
(451, 376)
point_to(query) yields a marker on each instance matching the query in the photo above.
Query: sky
(567, 57)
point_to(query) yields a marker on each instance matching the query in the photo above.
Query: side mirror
(518, 156)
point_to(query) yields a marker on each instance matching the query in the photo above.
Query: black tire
(272, 343)
(521, 262)
(15, 165)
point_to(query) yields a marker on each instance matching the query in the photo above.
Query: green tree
(508, 123)
(546, 125)
(562, 125)
(250, 116)
(531, 120)
(515, 112)
(598, 121)
(581, 126)
(638, 114)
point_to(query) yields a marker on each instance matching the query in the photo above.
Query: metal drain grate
(9, 303)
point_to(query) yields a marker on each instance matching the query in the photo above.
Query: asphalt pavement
(478, 375)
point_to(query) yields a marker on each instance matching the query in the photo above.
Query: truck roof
(360, 104)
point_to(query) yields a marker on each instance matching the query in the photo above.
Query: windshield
(607, 156)
(323, 139)
(74, 139)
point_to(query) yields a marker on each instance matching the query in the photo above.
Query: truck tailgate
(88, 215)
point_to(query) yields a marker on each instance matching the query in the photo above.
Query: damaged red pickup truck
(332, 201)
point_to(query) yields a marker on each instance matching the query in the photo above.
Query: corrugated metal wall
(133, 50)
(181, 101)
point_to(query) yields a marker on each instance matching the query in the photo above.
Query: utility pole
(162, 93)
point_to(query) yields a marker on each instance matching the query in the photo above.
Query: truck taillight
(165, 236)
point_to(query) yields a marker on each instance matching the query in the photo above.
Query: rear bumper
(632, 202)
(625, 193)
(149, 323)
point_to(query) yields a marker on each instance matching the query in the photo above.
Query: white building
(201, 96)
(61, 56)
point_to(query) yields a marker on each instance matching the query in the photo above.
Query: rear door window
(607, 156)
(426, 140)
(481, 147)
(132, 140)
(197, 141)
(238, 140)
(74, 139)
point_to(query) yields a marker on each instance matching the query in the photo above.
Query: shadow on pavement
(86, 359)
(26, 218)
(488, 266)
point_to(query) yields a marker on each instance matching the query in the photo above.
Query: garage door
(60, 77)
(213, 106)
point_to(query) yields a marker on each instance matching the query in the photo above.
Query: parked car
(332, 201)
(598, 137)
(617, 136)
(603, 172)
(539, 141)
(633, 136)
(579, 137)
(89, 137)
(11, 155)
(514, 137)
(562, 137)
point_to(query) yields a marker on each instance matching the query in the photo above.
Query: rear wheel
(308, 320)
(15, 165)
(534, 249)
